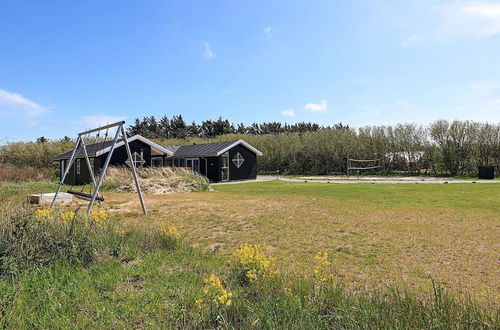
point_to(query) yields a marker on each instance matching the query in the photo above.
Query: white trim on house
(245, 144)
(140, 138)
(222, 167)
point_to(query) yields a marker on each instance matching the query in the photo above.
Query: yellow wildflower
(67, 216)
(322, 267)
(198, 302)
(252, 275)
(43, 215)
(215, 293)
(169, 231)
(100, 218)
(321, 258)
(253, 263)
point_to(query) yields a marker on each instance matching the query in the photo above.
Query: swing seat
(85, 196)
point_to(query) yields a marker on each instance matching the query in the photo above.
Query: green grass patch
(459, 196)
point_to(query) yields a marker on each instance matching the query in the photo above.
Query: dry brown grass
(159, 180)
(374, 238)
(11, 173)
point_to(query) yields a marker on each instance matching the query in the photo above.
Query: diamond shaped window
(238, 160)
(137, 159)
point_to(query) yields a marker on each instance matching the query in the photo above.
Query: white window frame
(156, 158)
(238, 160)
(78, 166)
(137, 158)
(195, 159)
(222, 167)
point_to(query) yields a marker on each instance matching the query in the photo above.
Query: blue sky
(70, 65)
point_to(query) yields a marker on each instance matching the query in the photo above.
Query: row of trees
(442, 148)
(177, 128)
(453, 148)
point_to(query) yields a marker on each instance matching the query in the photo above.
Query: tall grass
(155, 180)
(11, 173)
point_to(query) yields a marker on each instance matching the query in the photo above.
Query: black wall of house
(117, 159)
(75, 179)
(120, 154)
(247, 170)
(213, 169)
(209, 166)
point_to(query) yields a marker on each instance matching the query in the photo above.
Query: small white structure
(48, 198)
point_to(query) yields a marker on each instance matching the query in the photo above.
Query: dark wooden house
(224, 161)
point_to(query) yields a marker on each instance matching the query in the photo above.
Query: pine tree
(165, 129)
(178, 127)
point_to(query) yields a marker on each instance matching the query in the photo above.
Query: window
(238, 160)
(78, 167)
(137, 159)
(193, 163)
(157, 162)
(169, 162)
(225, 167)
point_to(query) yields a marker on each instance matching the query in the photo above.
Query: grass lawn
(377, 234)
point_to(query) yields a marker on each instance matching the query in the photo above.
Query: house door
(225, 167)
(194, 164)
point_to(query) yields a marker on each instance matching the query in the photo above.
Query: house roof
(194, 150)
(209, 149)
(92, 150)
(200, 150)
(97, 149)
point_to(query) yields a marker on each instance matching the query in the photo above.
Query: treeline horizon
(177, 128)
(440, 148)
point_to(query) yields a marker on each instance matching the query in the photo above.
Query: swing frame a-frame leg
(119, 131)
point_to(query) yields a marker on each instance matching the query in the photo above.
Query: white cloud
(268, 31)
(207, 51)
(471, 19)
(10, 102)
(89, 122)
(288, 112)
(322, 106)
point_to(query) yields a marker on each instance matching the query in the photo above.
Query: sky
(70, 65)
